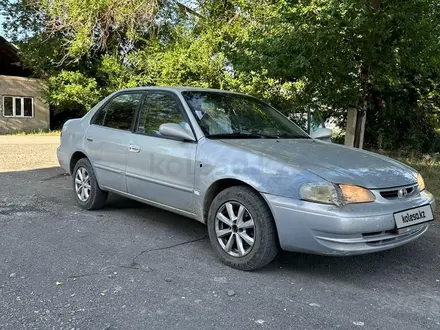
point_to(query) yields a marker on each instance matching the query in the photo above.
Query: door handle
(134, 148)
(89, 139)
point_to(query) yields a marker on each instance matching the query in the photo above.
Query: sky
(190, 3)
(1, 25)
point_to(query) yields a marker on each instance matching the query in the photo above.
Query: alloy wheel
(82, 184)
(235, 229)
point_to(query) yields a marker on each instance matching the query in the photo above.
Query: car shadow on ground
(359, 270)
(115, 202)
(404, 261)
(413, 262)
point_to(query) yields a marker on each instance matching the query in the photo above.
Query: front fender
(217, 160)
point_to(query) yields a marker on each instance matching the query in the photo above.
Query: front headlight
(319, 192)
(355, 194)
(421, 182)
(328, 193)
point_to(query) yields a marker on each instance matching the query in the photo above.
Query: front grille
(394, 193)
(390, 236)
(380, 233)
(374, 233)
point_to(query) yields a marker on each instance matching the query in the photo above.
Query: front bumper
(355, 229)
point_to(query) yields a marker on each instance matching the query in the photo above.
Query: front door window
(158, 109)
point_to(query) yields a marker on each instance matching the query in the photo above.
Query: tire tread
(269, 243)
(98, 196)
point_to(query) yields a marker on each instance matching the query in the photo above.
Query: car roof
(178, 89)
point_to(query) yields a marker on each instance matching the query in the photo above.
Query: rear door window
(119, 112)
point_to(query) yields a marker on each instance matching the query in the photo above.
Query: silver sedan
(252, 176)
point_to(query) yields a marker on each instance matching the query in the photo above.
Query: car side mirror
(176, 131)
(322, 134)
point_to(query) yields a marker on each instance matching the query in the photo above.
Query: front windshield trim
(268, 122)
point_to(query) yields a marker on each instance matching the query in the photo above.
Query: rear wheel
(241, 229)
(87, 192)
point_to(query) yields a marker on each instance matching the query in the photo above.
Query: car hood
(332, 162)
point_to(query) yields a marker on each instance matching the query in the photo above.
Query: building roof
(10, 60)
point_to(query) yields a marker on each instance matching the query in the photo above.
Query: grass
(37, 133)
(427, 165)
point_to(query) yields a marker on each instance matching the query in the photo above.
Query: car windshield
(227, 115)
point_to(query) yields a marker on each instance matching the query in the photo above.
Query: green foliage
(379, 56)
(92, 22)
(374, 55)
(407, 120)
(341, 50)
(68, 90)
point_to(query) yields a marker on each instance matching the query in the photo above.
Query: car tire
(89, 196)
(263, 235)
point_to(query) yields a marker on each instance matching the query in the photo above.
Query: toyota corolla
(257, 180)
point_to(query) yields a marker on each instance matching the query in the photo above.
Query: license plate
(413, 216)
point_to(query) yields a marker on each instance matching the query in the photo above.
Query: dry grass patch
(36, 133)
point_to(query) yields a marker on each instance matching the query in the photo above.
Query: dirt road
(19, 153)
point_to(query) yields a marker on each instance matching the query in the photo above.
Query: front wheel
(87, 192)
(241, 229)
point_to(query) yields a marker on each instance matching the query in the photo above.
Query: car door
(107, 139)
(161, 169)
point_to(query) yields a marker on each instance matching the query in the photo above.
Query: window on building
(17, 106)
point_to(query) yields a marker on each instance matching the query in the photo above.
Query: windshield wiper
(292, 136)
(252, 135)
(241, 135)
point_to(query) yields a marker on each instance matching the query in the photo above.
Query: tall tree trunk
(363, 104)
(362, 110)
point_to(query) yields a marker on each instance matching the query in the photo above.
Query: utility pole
(360, 129)
(354, 134)
(355, 129)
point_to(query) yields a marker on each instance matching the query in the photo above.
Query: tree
(84, 48)
(178, 46)
(345, 53)
(376, 56)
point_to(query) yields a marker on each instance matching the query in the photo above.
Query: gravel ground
(19, 153)
(131, 266)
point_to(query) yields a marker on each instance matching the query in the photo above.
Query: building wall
(30, 87)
